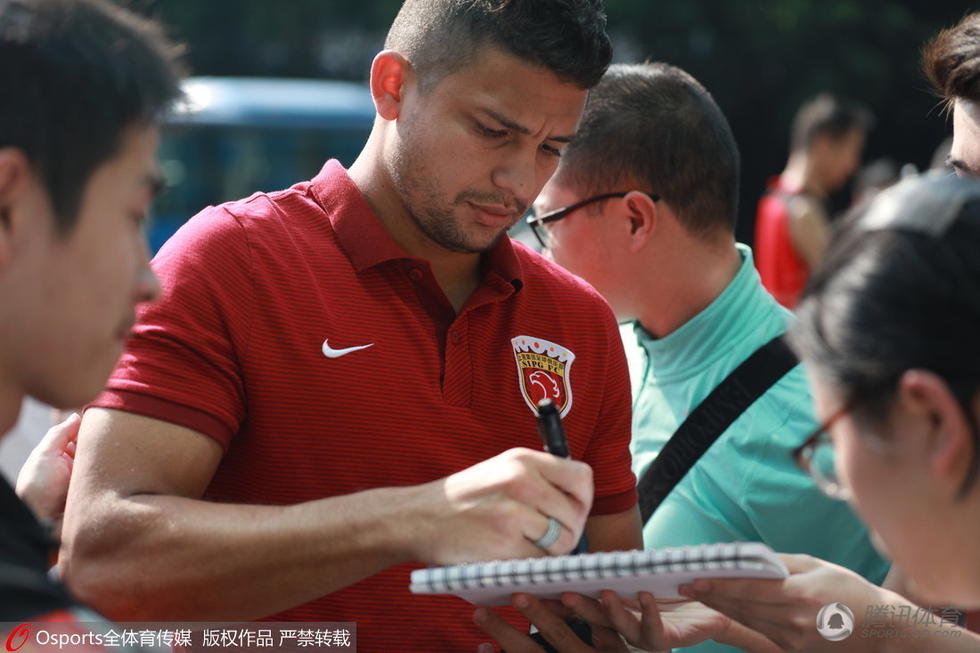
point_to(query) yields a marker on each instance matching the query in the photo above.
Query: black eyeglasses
(816, 457)
(537, 222)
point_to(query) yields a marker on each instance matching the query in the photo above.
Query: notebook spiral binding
(589, 566)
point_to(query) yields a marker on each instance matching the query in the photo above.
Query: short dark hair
(828, 116)
(568, 37)
(75, 74)
(655, 125)
(952, 60)
(888, 299)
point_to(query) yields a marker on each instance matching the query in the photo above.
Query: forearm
(140, 544)
(163, 557)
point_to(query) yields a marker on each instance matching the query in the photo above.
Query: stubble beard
(431, 212)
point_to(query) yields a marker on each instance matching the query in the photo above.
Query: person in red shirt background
(792, 227)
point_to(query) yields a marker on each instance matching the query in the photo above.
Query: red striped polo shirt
(258, 292)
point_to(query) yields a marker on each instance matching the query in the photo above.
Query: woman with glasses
(889, 329)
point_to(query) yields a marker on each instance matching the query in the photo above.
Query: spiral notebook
(624, 572)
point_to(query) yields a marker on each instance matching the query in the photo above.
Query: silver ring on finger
(551, 535)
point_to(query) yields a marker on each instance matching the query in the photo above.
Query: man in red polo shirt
(341, 378)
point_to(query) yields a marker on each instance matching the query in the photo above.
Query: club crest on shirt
(542, 371)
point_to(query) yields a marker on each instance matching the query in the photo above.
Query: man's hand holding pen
(498, 509)
(552, 434)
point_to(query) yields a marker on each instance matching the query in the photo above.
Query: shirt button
(456, 337)
(415, 274)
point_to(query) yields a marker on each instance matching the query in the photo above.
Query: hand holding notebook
(624, 572)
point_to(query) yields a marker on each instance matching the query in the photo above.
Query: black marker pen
(552, 434)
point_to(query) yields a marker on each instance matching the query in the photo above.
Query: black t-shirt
(26, 590)
(27, 593)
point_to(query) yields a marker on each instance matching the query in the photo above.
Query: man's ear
(15, 179)
(643, 216)
(391, 73)
(949, 448)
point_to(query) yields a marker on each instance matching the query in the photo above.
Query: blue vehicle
(234, 136)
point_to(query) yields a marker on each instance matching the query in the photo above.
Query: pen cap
(550, 429)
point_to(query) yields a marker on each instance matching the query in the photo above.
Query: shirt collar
(359, 231)
(730, 318)
(364, 238)
(502, 261)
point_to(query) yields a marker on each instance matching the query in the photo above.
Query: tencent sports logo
(542, 371)
(835, 622)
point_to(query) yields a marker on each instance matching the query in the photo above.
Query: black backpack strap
(711, 418)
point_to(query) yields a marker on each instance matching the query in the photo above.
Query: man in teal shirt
(649, 187)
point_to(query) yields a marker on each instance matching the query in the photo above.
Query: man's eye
(551, 150)
(490, 133)
(962, 171)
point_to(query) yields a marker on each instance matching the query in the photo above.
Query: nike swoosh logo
(330, 352)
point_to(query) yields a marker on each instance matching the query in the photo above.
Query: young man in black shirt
(84, 83)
